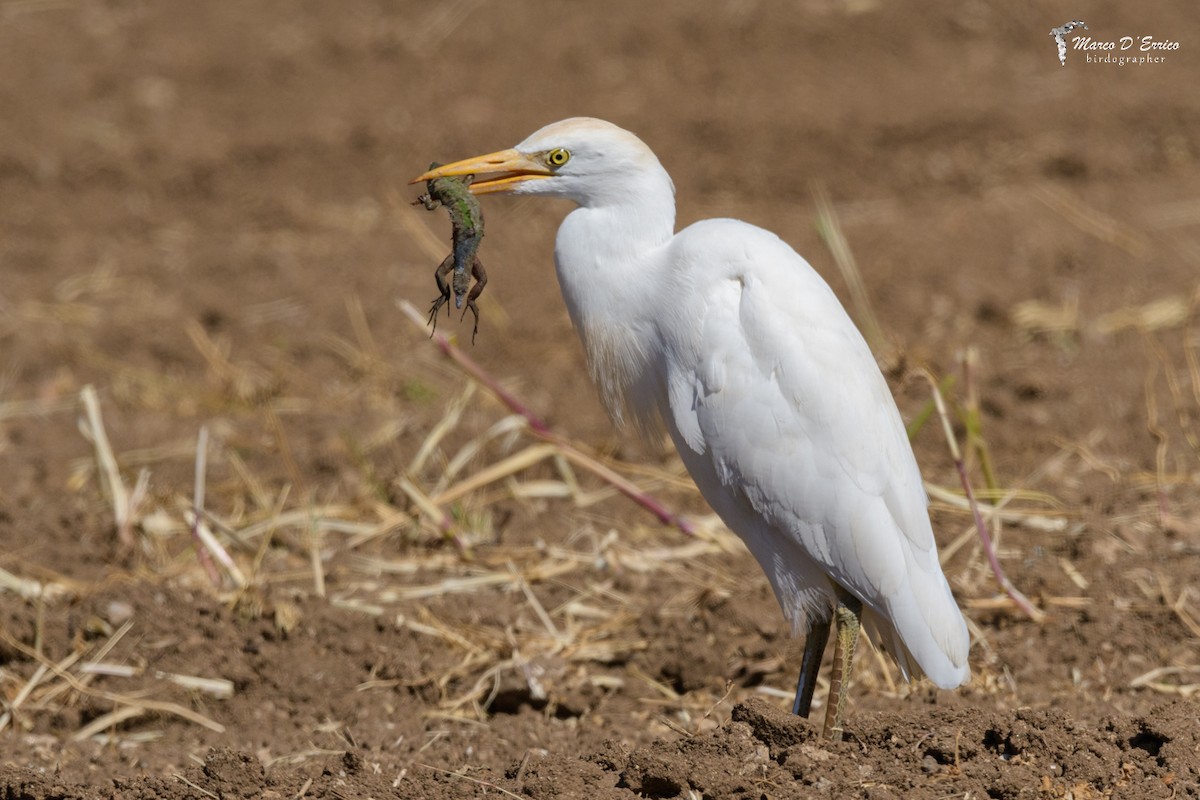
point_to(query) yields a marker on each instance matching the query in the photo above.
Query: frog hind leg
(440, 276)
(480, 275)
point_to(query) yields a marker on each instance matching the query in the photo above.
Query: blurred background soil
(206, 218)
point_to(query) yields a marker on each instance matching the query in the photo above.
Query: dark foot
(475, 312)
(436, 306)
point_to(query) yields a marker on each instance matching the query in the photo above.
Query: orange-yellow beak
(494, 172)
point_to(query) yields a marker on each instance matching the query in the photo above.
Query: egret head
(581, 159)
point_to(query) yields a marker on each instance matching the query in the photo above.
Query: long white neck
(610, 257)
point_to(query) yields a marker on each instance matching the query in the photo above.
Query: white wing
(780, 412)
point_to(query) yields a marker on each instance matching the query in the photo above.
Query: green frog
(466, 219)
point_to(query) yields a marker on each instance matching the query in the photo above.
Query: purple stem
(1021, 601)
(543, 431)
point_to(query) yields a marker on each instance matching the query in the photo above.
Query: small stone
(118, 612)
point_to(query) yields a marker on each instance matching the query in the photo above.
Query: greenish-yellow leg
(848, 616)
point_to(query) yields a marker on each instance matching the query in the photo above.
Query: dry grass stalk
(22, 695)
(1181, 608)
(1093, 221)
(1184, 413)
(1035, 316)
(306, 786)
(152, 387)
(409, 566)
(201, 470)
(324, 518)
(111, 670)
(469, 779)
(51, 693)
(432, 627)
(1084, 450)
(972, 417)
(501, 469)
(884, 667)
(1036, 520)
(539, 428)
(1164, 313)
(161, 707)
(390, 520)
(1005, 603)
(830, 229)
(255, 488)
(300, 756)
(653, 559)
(362, 329)
(207, 546)
(996, 511)
(1065, 319)
(439, 24)
(425, 505)
(1161, 439)
(357, 605)
(261, 552)
(1150, 680)
(625, 487)
(121, 701)
(1191, 344)
(537, 572)
(30, 589)
(448, 422)
(1074, 574)
(246, 382)
(1017, 597)
(1174, 214)
(192, 785)
(312, 532)
(219, 688)
(105, 721)
(12, 409)
(126, 503)
(664, 691)
(508, 429)
(536, 605)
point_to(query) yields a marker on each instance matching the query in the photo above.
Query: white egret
(723, 334)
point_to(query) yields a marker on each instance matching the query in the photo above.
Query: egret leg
(848, 616)
(814, 648)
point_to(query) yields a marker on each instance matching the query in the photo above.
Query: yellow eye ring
(557, 157)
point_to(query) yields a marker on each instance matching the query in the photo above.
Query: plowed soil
(205, 217)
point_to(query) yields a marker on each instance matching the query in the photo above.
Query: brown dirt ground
(205, 217)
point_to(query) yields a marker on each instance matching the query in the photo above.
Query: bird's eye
(557, 157)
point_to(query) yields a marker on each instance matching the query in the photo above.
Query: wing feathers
(769, 381)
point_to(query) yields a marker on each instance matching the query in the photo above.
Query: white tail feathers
(925, 632)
